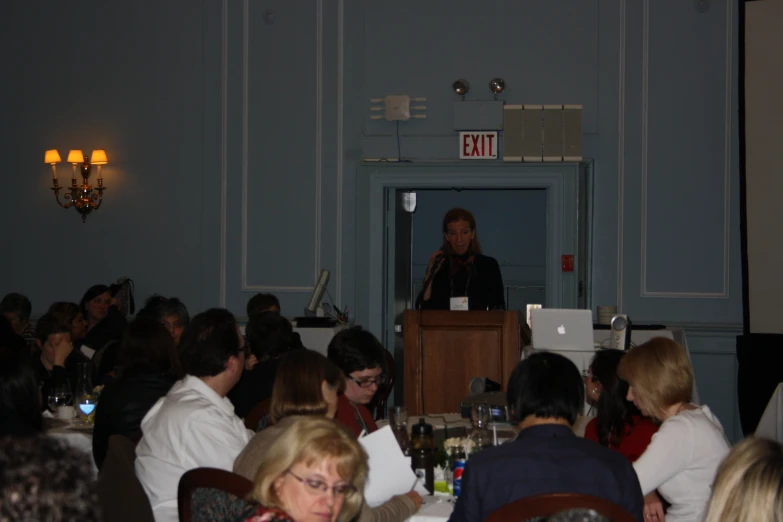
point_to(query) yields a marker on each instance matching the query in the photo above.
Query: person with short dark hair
(106, 324)
(261, 303)
(20, 397)
(361, 357)
(194, 425)
(148, 367)
(17, 309)
(268, 337)
(71, 314)
(545, 395)
(44, 479)
(174, 316)
(56, 365)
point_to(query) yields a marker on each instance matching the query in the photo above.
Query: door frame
(560, 180)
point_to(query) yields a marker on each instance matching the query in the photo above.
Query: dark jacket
(254, 386)
(543, 459)
(123, 404)
(480, 280)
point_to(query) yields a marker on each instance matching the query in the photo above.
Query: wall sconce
(83, 198)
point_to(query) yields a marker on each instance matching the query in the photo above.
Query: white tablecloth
(434, 509)
(77, 438)
(771, 423)
(318, 339)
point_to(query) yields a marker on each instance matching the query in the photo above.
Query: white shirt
(191, 427)
(681, 462)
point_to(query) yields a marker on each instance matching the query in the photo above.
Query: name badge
(458, 303)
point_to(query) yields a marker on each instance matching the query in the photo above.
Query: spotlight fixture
(497, 86)
(461, 87)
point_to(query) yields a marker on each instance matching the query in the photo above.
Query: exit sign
(478, 145)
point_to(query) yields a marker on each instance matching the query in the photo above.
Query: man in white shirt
(194, 425)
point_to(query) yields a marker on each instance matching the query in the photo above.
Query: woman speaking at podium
(459, 276)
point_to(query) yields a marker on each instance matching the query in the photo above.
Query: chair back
(378, 404)
(258, 411)
(547, 505)
(215, 495)
(121, 495)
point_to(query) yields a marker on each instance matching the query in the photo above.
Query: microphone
(436, 264)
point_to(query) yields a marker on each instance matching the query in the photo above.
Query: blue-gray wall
(233, 142)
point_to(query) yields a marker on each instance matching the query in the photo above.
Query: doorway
(387, 271)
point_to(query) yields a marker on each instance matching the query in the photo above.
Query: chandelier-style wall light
(82, 197)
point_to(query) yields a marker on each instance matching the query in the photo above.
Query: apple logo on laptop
(561, 329)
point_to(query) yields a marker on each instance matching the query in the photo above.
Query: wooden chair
(378, 404)
(258, 411)
(550, 504)
(121, 495)
(193, 508)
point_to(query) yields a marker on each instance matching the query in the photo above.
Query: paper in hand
(390, 470)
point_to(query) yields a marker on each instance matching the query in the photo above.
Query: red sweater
(635, 439)
(346, 414)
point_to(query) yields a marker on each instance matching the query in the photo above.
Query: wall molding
(726, 170)
(620, 156)
(340, 124)
(223, 150)
(318, 153)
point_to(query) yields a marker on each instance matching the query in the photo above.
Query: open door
(400, 206)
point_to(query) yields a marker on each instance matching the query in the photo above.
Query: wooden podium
(443, 350)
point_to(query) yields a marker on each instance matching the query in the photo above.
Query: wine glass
(59, 395)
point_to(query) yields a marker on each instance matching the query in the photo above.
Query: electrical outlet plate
(398, 107)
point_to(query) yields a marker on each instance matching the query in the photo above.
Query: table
(318, 339)
(436, 508)
(771, 424)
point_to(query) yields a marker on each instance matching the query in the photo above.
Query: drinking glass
(398, 417)
(59, 396)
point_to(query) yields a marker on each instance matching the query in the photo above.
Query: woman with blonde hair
(314, 472)
(683, 457)
(748, 485)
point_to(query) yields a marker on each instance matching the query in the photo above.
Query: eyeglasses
(320, 488)
(366, 383)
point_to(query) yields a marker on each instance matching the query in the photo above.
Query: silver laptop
(561, 329)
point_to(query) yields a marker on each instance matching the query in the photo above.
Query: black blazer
(480, 280)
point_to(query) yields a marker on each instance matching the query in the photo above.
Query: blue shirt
(544, 459)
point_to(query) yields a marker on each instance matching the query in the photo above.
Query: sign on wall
(478, 145)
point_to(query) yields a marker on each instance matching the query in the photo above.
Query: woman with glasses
(362, 359)
(307, 385)
(314, 472)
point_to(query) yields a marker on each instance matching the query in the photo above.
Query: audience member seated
(308, 384)
(150, 308)
(360, 356)
(11, 340)
(69, 313)
(683, 457)
(260, 303)
(149, 366)
(268, 337)
(42, 479)
(20, 397)
(105, 327)
(194, 425)
(56, 365)
(545, 395)
(619, 424)
(174, 316)
(748, 485)
(16, 308)
(105, 322)
(314, 472)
